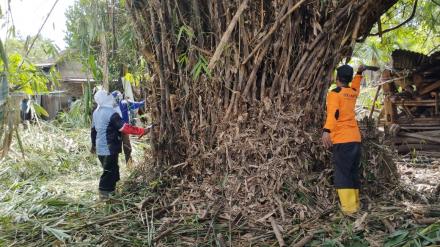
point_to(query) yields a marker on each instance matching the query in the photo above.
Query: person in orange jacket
(341, 133)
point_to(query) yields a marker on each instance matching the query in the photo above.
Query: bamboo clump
(239, 99)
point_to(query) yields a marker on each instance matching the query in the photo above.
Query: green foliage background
(421, 34)
(87, 20)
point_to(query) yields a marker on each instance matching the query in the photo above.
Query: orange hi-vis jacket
(341, 117)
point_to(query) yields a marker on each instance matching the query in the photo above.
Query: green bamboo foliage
(18, 77)
(95, 28)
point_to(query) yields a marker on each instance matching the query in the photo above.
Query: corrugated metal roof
(42, 65)
(67, 79)
(57, 92)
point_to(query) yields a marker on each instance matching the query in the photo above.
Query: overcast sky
(29, 15)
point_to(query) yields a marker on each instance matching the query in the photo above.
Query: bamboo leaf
(39, 110)
(396, 238)
(58, 233)
(184, 30)
(54, 202)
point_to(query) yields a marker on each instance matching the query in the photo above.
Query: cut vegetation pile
(50, 199)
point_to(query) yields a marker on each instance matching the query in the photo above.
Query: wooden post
(374, 101)
(390, 108)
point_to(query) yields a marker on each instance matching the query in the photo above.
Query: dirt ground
(420, 171)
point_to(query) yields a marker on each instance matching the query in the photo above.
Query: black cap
(344, 73)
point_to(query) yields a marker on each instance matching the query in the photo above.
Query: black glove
(361, 69)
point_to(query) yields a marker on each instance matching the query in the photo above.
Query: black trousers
(110, 174)
(346, 159)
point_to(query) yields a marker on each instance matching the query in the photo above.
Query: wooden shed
(71, 85)
(412, 101)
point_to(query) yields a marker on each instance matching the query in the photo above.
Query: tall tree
(103, 35)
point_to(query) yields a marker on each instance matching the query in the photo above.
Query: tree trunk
(104, 59)
(245, 134)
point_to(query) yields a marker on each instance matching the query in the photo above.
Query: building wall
(72, 69)
(72, 89)
(71, 84)
(53, 104)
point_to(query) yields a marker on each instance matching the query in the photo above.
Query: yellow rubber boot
(358, 199)
(347, 197)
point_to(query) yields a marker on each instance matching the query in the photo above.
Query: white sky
(29, 15)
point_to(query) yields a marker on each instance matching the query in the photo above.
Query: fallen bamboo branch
(304, 241)
(144, 202)
(226, 35)
(428, 221)
(277, 232)
(166, 232)
(404, 148)
(105, 219)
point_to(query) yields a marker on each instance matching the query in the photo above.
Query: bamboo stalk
(272, 30)
(225, 38)
(253, 75)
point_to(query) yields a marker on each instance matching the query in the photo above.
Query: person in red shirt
(341, 133)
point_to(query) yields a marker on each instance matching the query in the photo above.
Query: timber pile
(412, 101)
(239, 96)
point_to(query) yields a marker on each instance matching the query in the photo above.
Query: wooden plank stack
(411, 110)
